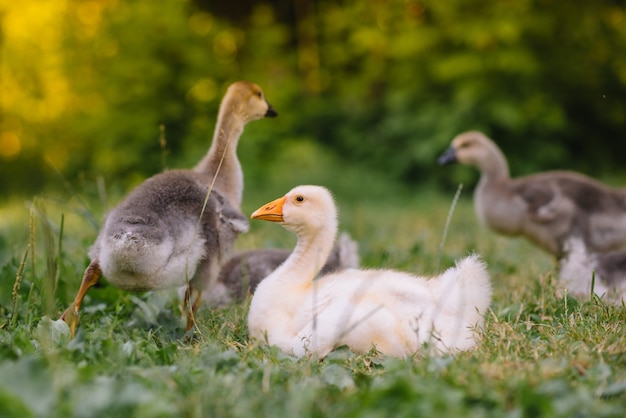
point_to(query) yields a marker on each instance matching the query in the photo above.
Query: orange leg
(90, 278)
(191, 308)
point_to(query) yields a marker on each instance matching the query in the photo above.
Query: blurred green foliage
(384, 84)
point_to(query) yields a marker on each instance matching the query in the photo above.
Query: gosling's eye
(299, 199)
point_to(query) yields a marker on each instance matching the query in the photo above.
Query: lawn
(542, 353)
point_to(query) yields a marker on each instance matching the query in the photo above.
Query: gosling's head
(471, 148)
(247, 101)
(304, 209)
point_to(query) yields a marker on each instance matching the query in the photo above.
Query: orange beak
(272, 211)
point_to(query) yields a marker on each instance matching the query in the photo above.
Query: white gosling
(580, 269)
(393, 312)
(163, 235)
(548, 207)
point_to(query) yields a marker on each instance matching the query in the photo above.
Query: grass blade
(17, 285)
(447, 225)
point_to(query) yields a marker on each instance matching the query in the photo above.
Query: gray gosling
(547, 208)
(167, 233)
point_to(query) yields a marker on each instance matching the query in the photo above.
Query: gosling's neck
(221, 163)
(307, 259)
(494, 168)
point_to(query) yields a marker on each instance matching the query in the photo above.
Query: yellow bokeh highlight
(33, 20)
(10, 145)
(89, 13)
(201, 23)
(32, 74)
(225, 45)
(204, 90)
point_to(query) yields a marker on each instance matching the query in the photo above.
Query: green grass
(542, 353)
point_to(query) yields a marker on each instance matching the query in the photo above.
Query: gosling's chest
(499, 209)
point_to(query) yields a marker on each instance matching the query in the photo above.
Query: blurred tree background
(383, 84)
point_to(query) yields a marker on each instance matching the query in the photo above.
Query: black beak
(448, 157)
(271, 113)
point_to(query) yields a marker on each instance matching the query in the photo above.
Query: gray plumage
(177, 227)
(160, 237)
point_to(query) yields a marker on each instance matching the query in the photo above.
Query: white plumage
(394, 312)
(580, 269)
